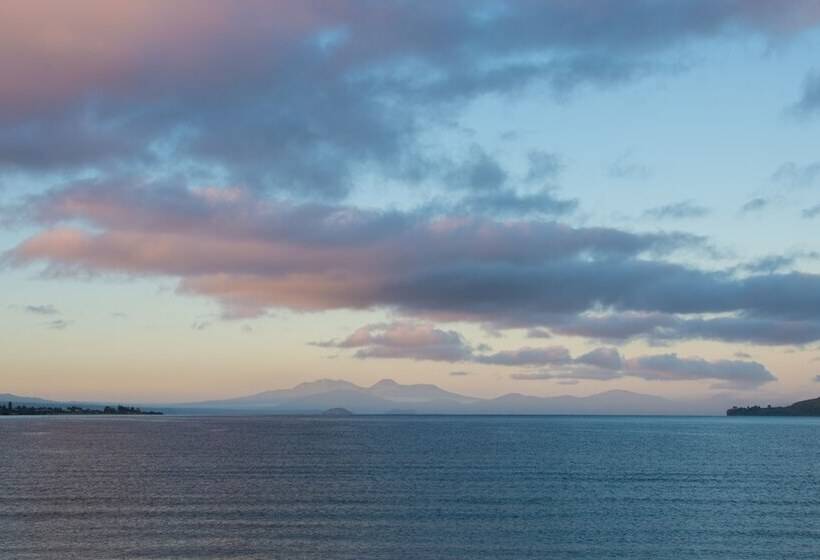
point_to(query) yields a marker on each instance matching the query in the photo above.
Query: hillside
(809, 407)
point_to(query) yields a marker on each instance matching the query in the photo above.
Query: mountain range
(389, 397)
(18, 399)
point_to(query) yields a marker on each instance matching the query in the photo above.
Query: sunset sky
(211, 199)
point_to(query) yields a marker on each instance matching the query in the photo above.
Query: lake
(435, 487)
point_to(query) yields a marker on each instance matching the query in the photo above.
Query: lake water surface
(409, 487)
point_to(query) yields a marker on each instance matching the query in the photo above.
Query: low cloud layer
(423, 341)
(416, 341)
(724, 374)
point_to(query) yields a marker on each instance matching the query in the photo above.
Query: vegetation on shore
(35, 410)
(809, 407)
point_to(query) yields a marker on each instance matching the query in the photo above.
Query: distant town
(29, 410)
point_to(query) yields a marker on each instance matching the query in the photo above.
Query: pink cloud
(252, 253)
(52, 51)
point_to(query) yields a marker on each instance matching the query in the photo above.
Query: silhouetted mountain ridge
(387, 396)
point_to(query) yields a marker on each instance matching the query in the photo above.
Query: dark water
(393, 487)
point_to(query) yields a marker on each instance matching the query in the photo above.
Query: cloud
(795, 175)
(817, 378)
(626, 169)
(778, 262)
(538, 333)
(423, 341)
(44, 309)
(510, 203)
(726, 374)
(665, 327)
(301, 98)
(479, 172)
(729, 373)
(404, 339)
(58, 324)
(253, 253)
(543, 165)
(771, 263)
(459, 373)
(604, 358)
(754, 205)
(574, 374)
(482, 182)
(527, 357)
(812, 212)
(809, 101)
(677, 211)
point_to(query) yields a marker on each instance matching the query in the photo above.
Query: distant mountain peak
(420, 392)
(384, 383)
(327, 383)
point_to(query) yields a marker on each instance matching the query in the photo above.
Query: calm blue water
(409, 487)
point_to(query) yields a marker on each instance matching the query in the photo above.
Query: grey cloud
(508, 202)
(543, 165)
(775, 263)
(460, 373)
(795, 175)
(624, 168)
(747, 329)
(410, 340)
(45, 309)
(285, 107)
(662, 327)
(573, 286)
(812, 212)
(58, 324)
(538, 333)
(729, 373)
(809, 101)
(479, 172)
(604, 358)
(527, 357)
(771, 263)
(734, 374)
(677, 211)
(755, 205)
(425, 342)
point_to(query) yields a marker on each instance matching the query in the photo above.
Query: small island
(34, 410)
(809, 407)
(337, 412)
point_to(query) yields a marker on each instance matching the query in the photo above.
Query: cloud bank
(253, 253)
(300, 97)
(423, 341)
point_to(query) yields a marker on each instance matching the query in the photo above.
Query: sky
(204, 200)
